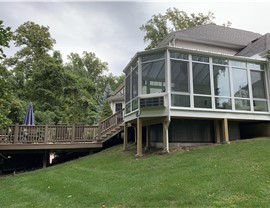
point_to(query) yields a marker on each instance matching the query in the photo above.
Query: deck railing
(48, 134)
(19, 134)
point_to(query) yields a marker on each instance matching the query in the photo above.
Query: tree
(35, 43)
(5, 37)
(160, 25)
(5, 96)
(88, 65)
(106, 110)
(5, 85)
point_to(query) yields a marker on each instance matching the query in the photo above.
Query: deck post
(16, 133)
(99, 131)
(217, 131)
(73, 133)
(46, 134)
(165, 135)
(139, 137)
(147, 138)
(125, 136)
(45, 158)
(225, 131)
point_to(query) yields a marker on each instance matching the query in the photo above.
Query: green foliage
(106, 110)
(5, 37)
(5, 96)
(61, 92)
(160, 25)
(87, 65)
(235, 175)
(33, 39)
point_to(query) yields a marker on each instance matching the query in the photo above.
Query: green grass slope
(235, 175)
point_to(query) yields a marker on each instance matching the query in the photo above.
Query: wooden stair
(110, 127)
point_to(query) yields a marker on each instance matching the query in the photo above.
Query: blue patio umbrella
(29, 118)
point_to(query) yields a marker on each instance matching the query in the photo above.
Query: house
(206, 84)
(117, 100)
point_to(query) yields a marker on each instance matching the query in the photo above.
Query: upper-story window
(153, 73)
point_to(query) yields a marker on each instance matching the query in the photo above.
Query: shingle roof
(256, 46)
(214, 34)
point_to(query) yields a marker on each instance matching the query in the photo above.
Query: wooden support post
(139, 137)
(147, 138)
(165, 135)
(46, 134)
(45, 158)
(217, 131)
(73, 133)
(99, 131)
(125, 142)
(16, 133)
(225, 131)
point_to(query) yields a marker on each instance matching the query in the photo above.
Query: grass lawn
(235, 175)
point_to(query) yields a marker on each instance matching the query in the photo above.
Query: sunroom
(184, 96)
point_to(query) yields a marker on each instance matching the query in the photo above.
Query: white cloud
(111, 29)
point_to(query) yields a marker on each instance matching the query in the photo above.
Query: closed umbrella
(29, 118)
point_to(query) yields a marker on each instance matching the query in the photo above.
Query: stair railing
(110, 122)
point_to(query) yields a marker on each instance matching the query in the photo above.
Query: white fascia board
(222, 55)
(215, 114)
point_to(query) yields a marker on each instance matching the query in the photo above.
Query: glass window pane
(223, 103)
(220, 61)
(260, 105)
(242, 104)
(134, 104)
(153, 77)
(118, 107)
(201, 79)
(153, 57)
(134, 85)
(177, 55)
(258, 86)
(238, 64)
(202, 102)
(179, 76)
(128, 108)
(181, 100)
(240, 83)
(127, 88)
(200, 58)
(221, 80)
(255, 66)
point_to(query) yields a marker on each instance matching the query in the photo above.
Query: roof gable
(213, 34)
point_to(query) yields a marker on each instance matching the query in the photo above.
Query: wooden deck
(50, 137)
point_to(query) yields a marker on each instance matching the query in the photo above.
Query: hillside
(235, 175)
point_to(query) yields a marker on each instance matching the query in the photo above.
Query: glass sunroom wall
(222, 89)
(131, 88)
(257, 74)
(199, 81)
(241, 86)
(153, 73)
(180, 90)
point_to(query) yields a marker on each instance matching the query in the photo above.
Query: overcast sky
(111, 29)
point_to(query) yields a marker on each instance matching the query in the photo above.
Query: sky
(110, 29)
